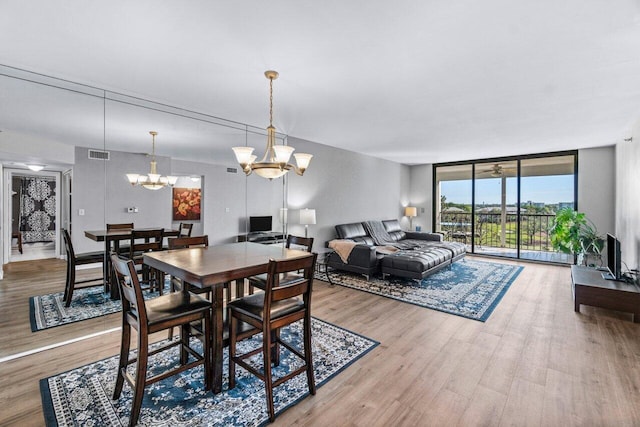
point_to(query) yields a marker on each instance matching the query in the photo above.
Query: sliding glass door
(504, 207)
(496, 208)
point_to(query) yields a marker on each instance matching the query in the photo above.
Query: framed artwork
(186, 204)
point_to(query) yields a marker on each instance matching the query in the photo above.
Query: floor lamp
(307, 217)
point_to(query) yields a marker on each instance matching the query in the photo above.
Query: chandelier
(153, 180)
(275, 162)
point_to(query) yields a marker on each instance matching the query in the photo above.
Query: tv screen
(614, 263)
(259, 223)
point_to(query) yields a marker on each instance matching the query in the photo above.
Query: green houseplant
(573, 233)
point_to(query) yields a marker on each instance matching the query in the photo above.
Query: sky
(546, 189)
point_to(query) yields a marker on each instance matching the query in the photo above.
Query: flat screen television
(260, 223)
(614, 263)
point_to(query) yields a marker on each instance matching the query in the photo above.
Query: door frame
(7, 205)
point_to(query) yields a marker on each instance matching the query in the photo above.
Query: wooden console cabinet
(590, 288)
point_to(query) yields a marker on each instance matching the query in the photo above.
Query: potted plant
(573, 233)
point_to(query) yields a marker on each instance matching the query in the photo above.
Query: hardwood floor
(534, 362)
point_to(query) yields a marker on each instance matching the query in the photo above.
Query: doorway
(32, 220)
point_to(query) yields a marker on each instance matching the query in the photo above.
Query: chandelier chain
(270, 101)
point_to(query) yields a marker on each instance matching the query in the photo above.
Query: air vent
(232, 170)
(98, 155)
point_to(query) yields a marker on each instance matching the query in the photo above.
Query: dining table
(211, 267)
(115, 236)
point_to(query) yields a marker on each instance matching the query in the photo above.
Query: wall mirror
(89, 139)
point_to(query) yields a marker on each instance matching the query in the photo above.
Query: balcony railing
(489, 230)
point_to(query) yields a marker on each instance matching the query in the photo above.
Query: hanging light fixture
(275, 162)
(153, 180)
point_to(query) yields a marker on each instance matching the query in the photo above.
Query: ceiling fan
(497, 170)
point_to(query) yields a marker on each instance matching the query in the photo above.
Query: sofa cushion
(354, 231)
(393, 228)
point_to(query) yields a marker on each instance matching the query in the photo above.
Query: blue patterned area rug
(48, 311)
(470, 288)
(82, 396)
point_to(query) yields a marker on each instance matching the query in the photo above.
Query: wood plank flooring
(535, 362)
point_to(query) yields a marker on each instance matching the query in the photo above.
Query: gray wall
(596, 186)
(628, 198)
(341, 185)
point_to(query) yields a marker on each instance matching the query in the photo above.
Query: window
(505, 206)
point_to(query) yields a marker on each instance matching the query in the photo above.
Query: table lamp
(307, 217)
(410, 211)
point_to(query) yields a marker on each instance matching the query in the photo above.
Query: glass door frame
(518, 160)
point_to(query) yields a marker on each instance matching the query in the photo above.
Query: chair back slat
(276, 292)
(188, 242)
(145, 241)
(185, 229)
(305, 243)
(130, 291)
(121, 226)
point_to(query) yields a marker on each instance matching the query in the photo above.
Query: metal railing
(489, 230)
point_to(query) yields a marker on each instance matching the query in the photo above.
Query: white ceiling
(409, 81)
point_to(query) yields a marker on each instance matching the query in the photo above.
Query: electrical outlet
(81, 212)
(227, 210)
(130, 210)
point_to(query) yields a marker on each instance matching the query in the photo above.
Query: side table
(323, 262)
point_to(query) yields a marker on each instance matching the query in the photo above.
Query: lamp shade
(410, 211)
(307, 216)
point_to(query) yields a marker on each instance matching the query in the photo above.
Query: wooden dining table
(211, 268)
(114, 237)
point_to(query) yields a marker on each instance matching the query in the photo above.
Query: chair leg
(308, 359)
(72, 284)
(124, 358)
(66, 284)
(268, 382)
(184, 340)
(233, 323)
(208, 365)
(275, 347)
(141, 376)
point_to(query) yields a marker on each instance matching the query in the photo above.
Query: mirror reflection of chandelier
(153, 180)
(275, 162)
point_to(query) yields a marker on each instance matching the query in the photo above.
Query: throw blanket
(382, 238)
(343, 248)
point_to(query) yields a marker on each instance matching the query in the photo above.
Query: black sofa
(419, 254)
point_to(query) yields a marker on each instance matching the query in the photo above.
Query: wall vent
(98, 155)
(232, 170)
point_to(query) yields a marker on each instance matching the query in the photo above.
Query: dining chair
(141, 242)
(279, 305)
(185, 229)
(304, 243)
(74, 260)
(116, 243)
(154, 315)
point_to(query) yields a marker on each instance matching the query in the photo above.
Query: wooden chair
(74, 260)
(260, 281)
(143, 241)
(281, 304)
(185, 229)
(177, 284)
(148, 317)
(116, 243)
